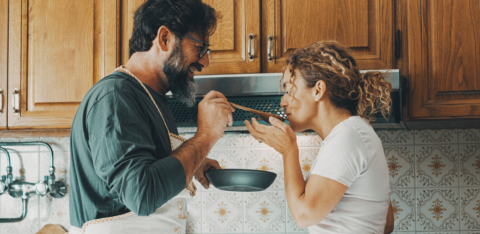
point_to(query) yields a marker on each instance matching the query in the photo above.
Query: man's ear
(165, 38)
(319, 90)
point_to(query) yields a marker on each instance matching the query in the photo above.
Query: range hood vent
(262, 92)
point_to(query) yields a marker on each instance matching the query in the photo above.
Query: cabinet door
(366, 26)
(57, 50)
(3, 62)
(444, 58)
(229, 43)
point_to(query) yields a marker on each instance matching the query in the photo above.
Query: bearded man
(130, 171)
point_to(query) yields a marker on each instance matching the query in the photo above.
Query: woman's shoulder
(355, 130)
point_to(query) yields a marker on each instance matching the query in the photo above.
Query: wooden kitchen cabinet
(443, 65)
(57, 50)
(366, 26)
(3, 61)
(229, 43)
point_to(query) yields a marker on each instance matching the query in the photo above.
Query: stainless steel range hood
(262, 91)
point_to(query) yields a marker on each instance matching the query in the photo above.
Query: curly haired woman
(347, 190)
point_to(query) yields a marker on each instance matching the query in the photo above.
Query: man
(121, 153)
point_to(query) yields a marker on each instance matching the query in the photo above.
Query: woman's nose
(283, 102)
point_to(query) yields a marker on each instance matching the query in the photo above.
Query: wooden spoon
(264, 115)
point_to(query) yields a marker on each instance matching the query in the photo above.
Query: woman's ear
(319, 90)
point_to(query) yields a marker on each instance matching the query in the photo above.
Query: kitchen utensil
(240, 180)
(264, 115)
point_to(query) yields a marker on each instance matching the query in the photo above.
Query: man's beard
(181, 85)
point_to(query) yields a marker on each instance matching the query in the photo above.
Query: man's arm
(390, 221)
(123, 154)
(214, 113)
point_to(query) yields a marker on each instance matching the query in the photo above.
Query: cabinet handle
(16, 101)
(270, 48)
(1, 101)
(251, 47)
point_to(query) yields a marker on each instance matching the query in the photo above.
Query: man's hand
(214, 113)
(208, 164)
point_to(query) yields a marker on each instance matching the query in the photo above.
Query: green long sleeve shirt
(120, 152)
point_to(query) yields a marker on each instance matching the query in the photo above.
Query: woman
(347, 190)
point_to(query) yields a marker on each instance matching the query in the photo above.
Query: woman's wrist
(291, 151)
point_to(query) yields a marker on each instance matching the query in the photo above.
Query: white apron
(171, 217)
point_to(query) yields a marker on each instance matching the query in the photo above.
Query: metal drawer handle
(251, 47)
(16, 101)
(270, 48)
(1, 101)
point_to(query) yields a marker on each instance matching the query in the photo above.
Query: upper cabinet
(3, 61)
(443, 58)
(366, 26)
(57, 50)
(235, 45)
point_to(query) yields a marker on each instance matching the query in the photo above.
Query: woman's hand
(278, 136)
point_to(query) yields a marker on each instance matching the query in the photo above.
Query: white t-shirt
(352, 154)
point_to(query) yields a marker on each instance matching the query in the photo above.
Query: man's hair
(180, 16)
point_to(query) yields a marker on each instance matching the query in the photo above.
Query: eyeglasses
(204, 50)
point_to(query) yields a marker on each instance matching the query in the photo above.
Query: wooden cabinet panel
(229, 51)
(3, 62)
(57, 51)
(366, 26)
(444, 58)
(229, 43)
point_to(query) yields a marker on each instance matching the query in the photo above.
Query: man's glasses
(204, 48)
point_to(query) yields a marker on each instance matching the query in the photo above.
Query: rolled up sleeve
(123, 154)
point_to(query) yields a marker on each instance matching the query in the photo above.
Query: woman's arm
(309, 202)
(390, 221)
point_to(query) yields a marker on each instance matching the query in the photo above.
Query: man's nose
(204, 61)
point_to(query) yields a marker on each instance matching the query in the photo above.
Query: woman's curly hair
(362, 94)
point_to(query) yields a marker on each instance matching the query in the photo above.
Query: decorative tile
(401, 166)
(403, 206)
(230, 140)
(470, 208)
(470, 232)
(469, 164)
(436, 136)
(265, 212)
(194, 214)
(469, 135)
(437, 209)
(55, 211)
(266, 160)
(227, 158)
(249, 142)
(436, 165)
(291, 225)
(437, 232)
(222, 212)
(307, 158)
(396, 137)
(309, 139)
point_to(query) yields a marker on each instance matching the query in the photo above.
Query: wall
(434, 175)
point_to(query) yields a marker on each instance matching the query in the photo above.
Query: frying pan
(240, 180)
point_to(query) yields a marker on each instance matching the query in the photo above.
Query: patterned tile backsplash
(434, 178)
